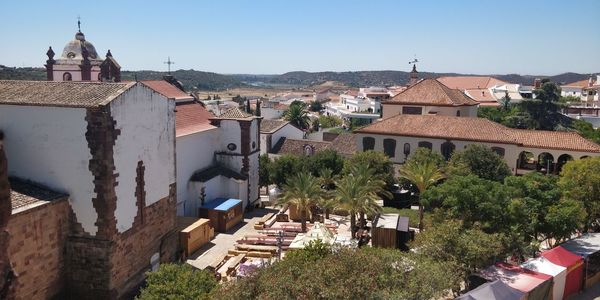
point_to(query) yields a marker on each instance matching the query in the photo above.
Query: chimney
(598, 79)
(537, 83)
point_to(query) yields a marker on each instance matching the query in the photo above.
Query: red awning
(574, 264)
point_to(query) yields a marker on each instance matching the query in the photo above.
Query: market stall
(537, 286)
(588, 247)
(495, 290)
(223, 213)
(544, 266)
(574, 264)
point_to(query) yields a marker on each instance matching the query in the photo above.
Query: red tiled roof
(431, 92)
(480, 95)
(166, 89)
(470, 82)
(478, 130)
(191, 117)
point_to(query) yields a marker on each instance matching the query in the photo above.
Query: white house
(430, 97)
(217, 157)
(586, 90)
(486, 90)
(271, 131)
(523, 150)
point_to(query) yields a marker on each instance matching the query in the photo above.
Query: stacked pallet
(260, 224)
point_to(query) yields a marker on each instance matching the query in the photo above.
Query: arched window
(499, 150)
(99, 76)
(67, 76)
(389, 147)
(447, 149)
(406, 149)
(458, 113)
(368, 143)
(427, 145)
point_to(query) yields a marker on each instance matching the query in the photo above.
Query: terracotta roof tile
(59, 93)
(191, 117)
(344, 144)
(478, 130)
(270, 126)
(166, 89)
(480, 95)
(234, 113)
(470, 82)
(297, 147)
(580, 84)
(24, 193)
(431, 92)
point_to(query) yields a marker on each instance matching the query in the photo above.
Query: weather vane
(414, 61)
(79, 23)
(169, 63)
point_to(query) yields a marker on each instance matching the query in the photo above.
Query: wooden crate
(196, 235)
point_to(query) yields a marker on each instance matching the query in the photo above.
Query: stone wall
(6, 273)
(37, 248)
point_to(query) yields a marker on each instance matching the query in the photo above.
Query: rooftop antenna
(169, 63)
(79, 23)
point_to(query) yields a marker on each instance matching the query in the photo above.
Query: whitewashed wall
(194, 152)
(288, 131)
(48, 145)
(146, 120)
(391, 110)
(59, 70)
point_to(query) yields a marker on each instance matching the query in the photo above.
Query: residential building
(362, 104)
(271, 131)
(486, 90)
(344, 144)
(586, 90)
(523, 150)
(93, 176)
(430, 97)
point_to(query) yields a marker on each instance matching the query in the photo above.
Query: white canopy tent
(542, 265)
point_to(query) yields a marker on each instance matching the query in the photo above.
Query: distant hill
(199, 80)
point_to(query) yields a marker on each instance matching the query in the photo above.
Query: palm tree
(297, 115)
(328, 201)
(302, 191)
(423, 176)
(372, 182)
(356, 198)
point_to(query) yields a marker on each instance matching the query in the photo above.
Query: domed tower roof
(74, 51)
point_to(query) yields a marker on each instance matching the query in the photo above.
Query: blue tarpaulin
(222, 204)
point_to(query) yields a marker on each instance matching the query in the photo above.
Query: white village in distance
(123, 185)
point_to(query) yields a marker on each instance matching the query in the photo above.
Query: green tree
(563, 219)
(173, 281)
(425, 155)
(264, 166)
(505, 102)
(473, 200)
(257, 112)
(580, 181)
(379, 274)
(423, 174)
(330, 121)
(544, 109)
(297, 115)
(328, 201)
(586, 130)
(378, 161)
(468, 250)
(373, 184)
(285, 166)
(481, 161)
(315, 106)
(326, 159)
(355, 198)
(303, 191)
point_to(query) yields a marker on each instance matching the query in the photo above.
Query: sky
(532, 37)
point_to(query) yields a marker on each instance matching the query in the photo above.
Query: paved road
(592, 293)
(222, 242)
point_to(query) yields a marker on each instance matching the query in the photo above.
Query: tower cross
(79, 23)
(169, 63)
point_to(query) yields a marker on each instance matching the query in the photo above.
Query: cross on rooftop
(169, 63)
(79, 23)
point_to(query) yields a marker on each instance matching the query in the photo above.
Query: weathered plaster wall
(48, 145)
(146, 122)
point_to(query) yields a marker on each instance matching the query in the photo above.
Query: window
(389, 147)
(231, 147)
(67, 76)
(406, 149)
(447, 149)
(499, 150)
(368, 143)
(427, 145)
(458, 113)
(412, 110)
